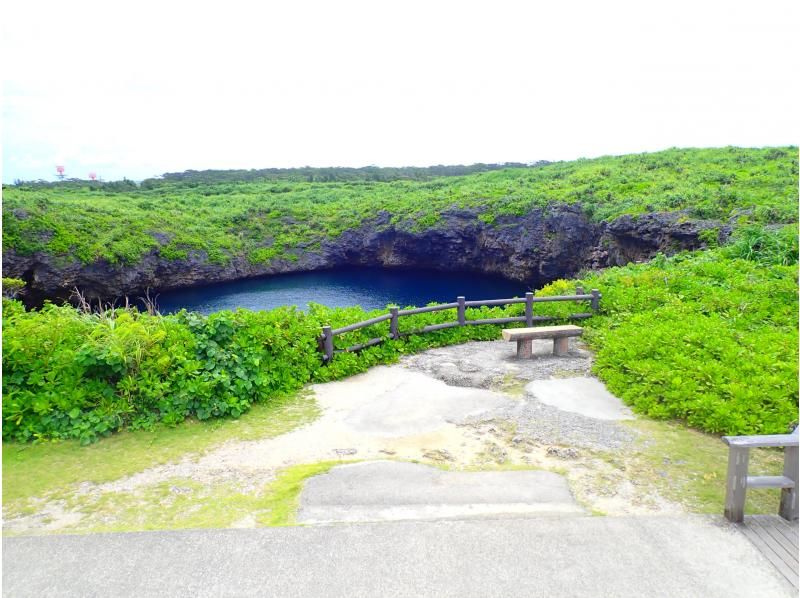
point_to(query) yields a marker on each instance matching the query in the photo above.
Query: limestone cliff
(536, 248)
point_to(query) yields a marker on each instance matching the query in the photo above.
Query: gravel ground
(492, 364)
(543, 424)
(495, 365)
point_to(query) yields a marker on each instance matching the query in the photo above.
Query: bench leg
(788, 508)
(738, 460)
(524, 349)
(561, 346)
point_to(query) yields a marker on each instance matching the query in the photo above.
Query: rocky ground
(471, 407)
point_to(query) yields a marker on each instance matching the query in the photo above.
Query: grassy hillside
(269, 218)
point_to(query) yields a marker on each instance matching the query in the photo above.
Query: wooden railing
(739, 481)
(460, 305)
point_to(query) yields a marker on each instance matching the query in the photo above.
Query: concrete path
(583, 395)
(390, 491)
(571, 556)
(392, 402)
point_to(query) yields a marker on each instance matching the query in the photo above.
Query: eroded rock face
(541, 246)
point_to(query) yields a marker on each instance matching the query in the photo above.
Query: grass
(182, 503)
(54, 468)
(690, 467)
(284, 493)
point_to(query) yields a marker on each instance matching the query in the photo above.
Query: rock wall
(536, 248)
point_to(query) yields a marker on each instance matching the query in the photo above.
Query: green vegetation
(87, 375)
(12, 287)
(707, 337)
(267, 216)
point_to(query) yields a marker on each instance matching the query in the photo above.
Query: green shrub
(760, 244)
(704, 337)
(12, 287)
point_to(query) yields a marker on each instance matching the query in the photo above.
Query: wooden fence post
(529, 309)
(788, 509)
(394, 327)
(327, 343)
(595, 300)
(579, 290)
(736, 490)
(462, 310)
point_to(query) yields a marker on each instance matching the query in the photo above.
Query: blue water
(371, 288)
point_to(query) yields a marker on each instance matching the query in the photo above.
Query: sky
(134, 90)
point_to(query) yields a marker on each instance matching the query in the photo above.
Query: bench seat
(525, 336)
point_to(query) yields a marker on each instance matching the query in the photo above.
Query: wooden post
(579, 290)
(327, 343)
(524, 349)
(462, 311)
(595, 300)
(736, 490)
(394, 328)
(529, 309)
(788, 508)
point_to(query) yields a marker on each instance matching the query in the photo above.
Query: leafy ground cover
(709, 338)
(224, 215)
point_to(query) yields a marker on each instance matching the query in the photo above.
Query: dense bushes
(69, 374)
(707, 337)
(702, 338)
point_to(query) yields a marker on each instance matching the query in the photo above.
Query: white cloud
(139, 89)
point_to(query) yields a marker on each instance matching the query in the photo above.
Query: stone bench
(526, 336)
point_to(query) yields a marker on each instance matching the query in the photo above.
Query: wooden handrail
(767, 440)
(460, 305)
(739, 481)
(363, 324)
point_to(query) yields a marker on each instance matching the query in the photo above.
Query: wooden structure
(460, 305)
(739, 481)
(776, 539)
(525, 337)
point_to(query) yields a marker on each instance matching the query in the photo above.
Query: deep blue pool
(371, 288)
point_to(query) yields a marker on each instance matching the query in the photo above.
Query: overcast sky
(136, 89)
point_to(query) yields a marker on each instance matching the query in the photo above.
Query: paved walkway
(570, 556)
(392, 491)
